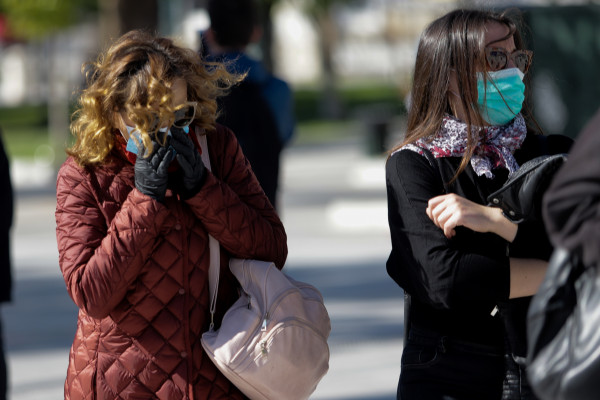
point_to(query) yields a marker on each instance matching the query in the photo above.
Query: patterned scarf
(494, 149)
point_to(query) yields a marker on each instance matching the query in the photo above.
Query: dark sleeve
(423, 261)
(571, 207)
(6, 217)
(532, 240)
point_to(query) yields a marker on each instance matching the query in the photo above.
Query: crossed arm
(450, 210)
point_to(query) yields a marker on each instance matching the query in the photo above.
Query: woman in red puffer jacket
(135, 206)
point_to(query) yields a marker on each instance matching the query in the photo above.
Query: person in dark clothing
(563, 358)
(571, 203)
(455, 256)
(260, 109)
(6, 217)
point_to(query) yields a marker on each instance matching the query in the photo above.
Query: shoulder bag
(272, 343)
(520, 198)
(563, 335)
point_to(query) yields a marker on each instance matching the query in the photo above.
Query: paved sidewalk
(334, 208)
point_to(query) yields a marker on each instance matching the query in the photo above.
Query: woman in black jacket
(457, 257)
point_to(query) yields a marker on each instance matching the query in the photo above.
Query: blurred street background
(349, 63)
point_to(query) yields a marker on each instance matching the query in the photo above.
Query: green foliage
(23, 142)
(324, 131)
(25, 116)
(32, 19)
(24, 129)
(353, 100)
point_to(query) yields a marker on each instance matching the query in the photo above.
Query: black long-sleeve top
(454, 283)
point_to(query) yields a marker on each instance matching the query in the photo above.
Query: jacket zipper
(186, 288)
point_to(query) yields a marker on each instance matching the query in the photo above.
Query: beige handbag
(272, 343)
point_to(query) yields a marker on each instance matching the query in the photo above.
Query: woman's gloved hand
(151, 173)
(190, 162)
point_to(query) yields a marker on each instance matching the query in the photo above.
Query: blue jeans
(436, 367)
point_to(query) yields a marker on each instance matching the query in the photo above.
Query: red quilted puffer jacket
(138, 271)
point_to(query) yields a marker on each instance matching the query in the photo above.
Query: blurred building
(369, 40)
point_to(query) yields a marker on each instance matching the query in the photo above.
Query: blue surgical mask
(501, 97)
(135, 137)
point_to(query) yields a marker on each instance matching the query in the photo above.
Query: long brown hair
(453, 43)
(134, 76)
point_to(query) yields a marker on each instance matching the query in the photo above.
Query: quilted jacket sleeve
(233, 207)
(99, 262)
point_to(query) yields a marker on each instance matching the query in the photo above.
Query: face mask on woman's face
(135, 138)
(501, 97)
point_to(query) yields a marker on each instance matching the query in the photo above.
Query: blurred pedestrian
(6, 217)
(564, 357)
(571, 204)
(135, 206)
(260, 109)
(457, 258)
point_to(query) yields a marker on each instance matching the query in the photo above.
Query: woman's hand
(151, 173)
(450, 210)
(190, 161)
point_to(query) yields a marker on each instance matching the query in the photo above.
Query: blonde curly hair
(134, 77)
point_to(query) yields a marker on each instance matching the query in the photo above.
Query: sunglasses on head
(184, 115)
(497, 58)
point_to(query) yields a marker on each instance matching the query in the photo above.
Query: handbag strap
(213, 244)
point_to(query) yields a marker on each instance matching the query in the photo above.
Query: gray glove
(151, 173)
(190, 162)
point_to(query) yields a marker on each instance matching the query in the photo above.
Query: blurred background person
(564, 362)
(260, 109)
(6, 216)
(573, 199)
